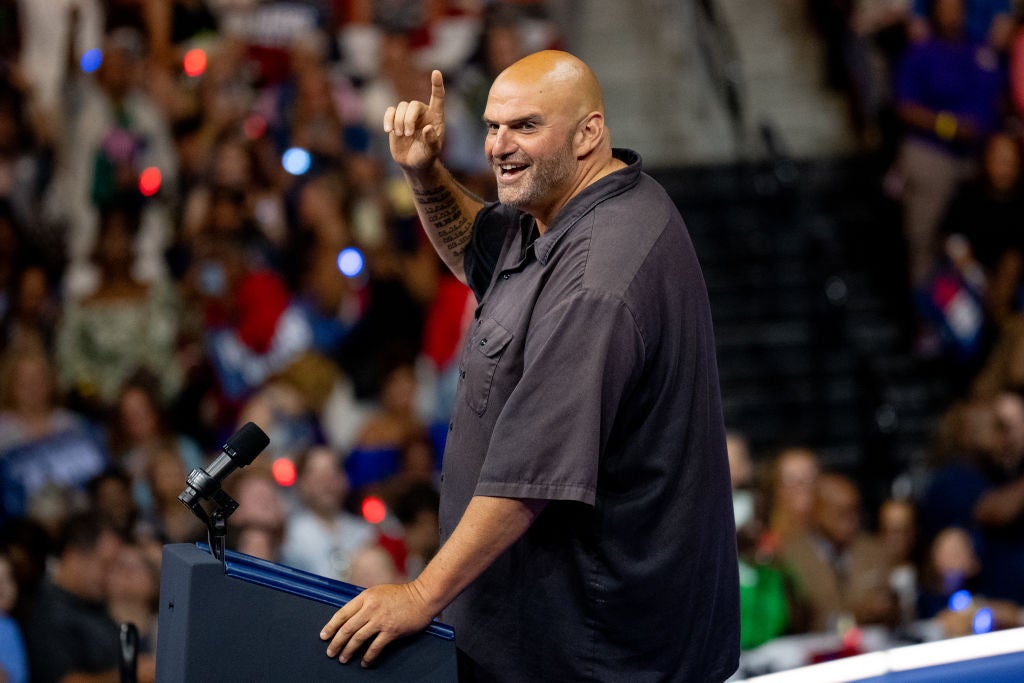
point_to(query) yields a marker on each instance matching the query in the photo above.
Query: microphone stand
(216, 521)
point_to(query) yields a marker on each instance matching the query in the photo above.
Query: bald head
(559, 77)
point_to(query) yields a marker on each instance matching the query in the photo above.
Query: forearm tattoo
(445, 218)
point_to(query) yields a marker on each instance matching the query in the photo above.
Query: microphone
(239, 450)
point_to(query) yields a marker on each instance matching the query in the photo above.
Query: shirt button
(483, 342)
(506, 276)
(462, 374)
(451, 426)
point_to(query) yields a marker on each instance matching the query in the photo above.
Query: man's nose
(501, 143)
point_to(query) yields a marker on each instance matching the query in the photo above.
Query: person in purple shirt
(986, 21)
(947, 96)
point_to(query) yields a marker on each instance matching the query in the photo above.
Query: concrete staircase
(662, 68)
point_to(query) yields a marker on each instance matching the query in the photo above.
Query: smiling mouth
(509, 171)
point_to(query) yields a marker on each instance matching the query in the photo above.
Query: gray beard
(538, 180)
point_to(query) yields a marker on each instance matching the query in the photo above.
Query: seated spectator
(29, 406)
(286, 407)
(952, 565)
(13, 658)
(968, 436)
(124, 325)
(897, 532)
(32, 311)
(168, 521)
(985, 493)
(71, 609)
(133, 589)
(373, 565)
(791, 482)
(987, 212)
(840, 571)
(138, 426)
(768, 604)
(257, 527)
(320, 536)
(110, 495)
(416, 509)
(947, 94)
(387, 432)
(27, 547)
(949, 595)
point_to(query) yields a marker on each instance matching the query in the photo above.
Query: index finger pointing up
(436, 91)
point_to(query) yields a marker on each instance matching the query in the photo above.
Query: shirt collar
(595, 193)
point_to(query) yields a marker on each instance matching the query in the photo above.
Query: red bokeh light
(284, 471)
(254, 127)
(194, 62)
(374, 510)
(149, 181)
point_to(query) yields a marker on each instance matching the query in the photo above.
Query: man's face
(837, 512)
(530, 148)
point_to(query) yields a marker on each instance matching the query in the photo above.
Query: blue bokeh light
(350, 262)
(296, 160)
(91, 60)
(960, 600)
(982, 620)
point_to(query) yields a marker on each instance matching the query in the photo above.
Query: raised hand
(416, 130)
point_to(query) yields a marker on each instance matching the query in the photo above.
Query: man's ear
(589, 134)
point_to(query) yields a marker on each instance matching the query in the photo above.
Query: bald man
(586, 515)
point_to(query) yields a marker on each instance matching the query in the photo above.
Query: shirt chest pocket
(481, 359)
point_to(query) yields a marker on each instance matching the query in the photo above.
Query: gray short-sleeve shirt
(589, 380)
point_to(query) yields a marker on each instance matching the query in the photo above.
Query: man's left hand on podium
(376, 617)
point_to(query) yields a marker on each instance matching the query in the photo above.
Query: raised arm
(446, 209)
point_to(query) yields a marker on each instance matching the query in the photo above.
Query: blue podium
(251, 620)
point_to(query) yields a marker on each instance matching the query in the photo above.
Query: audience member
(387, 432)
(949, 596)
(987, 22)
(32, 310)
(984, 492)
(373, 565)
(258, 526)
(29, 406)
(897, 533)
(139, 425)
(320, 536)
(133, 592)
(840, 571)
(71, 609)
(110, 496)
(13, 658)
(117, 134)
(791, 480)
(987, 212)
(416, 510)
(167, 520)
(947, 93)
(769, 606)
(952, 565)
(125, 324)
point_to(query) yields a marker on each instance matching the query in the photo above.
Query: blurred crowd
(937, 86)
(201, 226)
(936, 91)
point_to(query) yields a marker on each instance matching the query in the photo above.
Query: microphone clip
(216, 520)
